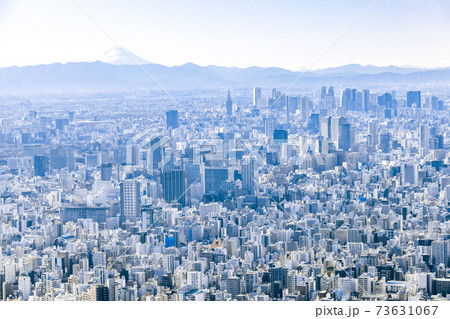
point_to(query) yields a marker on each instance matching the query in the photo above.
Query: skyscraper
(424, 139)
(257, 97)
(293, 103)
(385, 142)
(439, 252)
(172, 119)
(410, 174)
(305, 108)
(372, 138)
(61, 158)
(130, 200)
(314, 123)
(174, 186)
(248, 173)
(229, 104)
(40, 165)
(345, 137)
(336, 123)
(213, 177)
(365, 100)
(330, 101)
(269, 126)
(325, 127)
(413, 99)
(348, 99)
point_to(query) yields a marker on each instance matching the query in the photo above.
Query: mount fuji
(121, 56)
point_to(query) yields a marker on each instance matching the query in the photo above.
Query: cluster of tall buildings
(338, 194)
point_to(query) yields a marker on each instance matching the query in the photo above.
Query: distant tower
(257, 97)
(424, 139)
(229, 104)
(248, 173)
(413, 99)
(372, 138)
(172, 119)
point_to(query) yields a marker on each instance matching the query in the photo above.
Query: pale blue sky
(289, 34)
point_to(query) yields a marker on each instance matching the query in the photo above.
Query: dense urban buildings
(242, 194)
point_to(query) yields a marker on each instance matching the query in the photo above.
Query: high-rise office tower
(314, 123)
(278, 100)
(172, 119)
(323, 92)
(345, 138)
(434, 103)
(348, 99)
(413, 99)
(330, 101)
(331, 91)
(229, 104)
(359, 101)
(424, 139)
(439, 253)
(61, 158)
(325, 127)
(292, 104)
(385, 142)
(248, 173)
(365, 100)
(410, 174)
(174, 186)
(372, 139)
(40, 165)
(336, 123)
(305, 105)
(213, 177)
(130, 200)
(257, 97)
(154, 154)
(269, 126)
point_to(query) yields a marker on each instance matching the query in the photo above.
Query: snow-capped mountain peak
(120, 56)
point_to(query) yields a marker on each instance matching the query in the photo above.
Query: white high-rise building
(25, 287)
(257, 97)
(10, 273)
(130, 204)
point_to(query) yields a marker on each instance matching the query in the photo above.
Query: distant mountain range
(117, 72)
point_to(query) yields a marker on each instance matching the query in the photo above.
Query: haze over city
(226, 151)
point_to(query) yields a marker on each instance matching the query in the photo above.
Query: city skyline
(131, 179)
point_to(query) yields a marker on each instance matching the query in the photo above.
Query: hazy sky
(289, 34)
